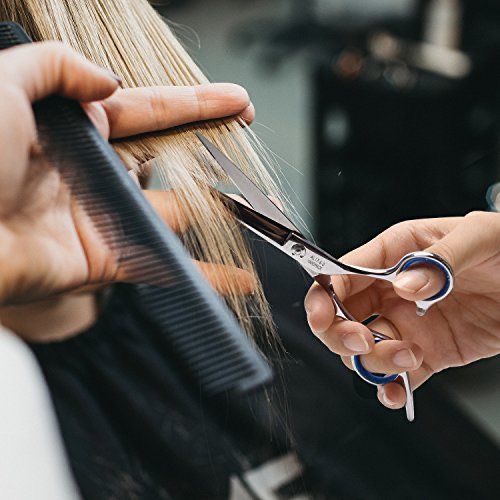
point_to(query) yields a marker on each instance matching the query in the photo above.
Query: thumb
(41, 69)
(471, 242)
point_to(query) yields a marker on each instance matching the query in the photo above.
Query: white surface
(32, 460)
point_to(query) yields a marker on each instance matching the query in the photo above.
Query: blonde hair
(131, 39)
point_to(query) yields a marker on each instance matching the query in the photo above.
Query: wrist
(52, 319)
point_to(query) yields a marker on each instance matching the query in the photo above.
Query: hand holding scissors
(266, 220)
(460, 330)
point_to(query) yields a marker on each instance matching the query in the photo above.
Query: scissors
(267, 221)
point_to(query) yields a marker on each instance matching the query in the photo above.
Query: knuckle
(394, 237)
(158, 106)
(56, 53)
(399, 228)
(56, 57)
(447, 252)
(475, 214)
(200, 101)
(486, 222)
(52, 46)
(399, 232)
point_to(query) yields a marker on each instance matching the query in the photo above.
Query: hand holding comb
(201, 334)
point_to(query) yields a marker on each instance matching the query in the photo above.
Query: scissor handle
(367, 376)
(418, 258)
(374, 379)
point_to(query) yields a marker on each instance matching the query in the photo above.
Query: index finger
(140, 110)
(319, 306)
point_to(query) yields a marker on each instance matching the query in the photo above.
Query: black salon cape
(131, 426)
(134, 430)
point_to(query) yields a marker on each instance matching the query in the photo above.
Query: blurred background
(376, 111)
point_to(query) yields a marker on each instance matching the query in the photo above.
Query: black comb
(200, 332)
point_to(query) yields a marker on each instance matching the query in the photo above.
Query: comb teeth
(194, 325)
(11, 34)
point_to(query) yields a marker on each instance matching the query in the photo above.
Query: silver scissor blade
(257, 199)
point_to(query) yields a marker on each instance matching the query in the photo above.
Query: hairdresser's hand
(459, 330)
(48, 246)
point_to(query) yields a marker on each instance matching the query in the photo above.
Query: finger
(228, 280)
(369, 302)
(319, 308)
(392, 396)
(46, 68)
(417, 377)
(98, 117)
(347, 338)
(140, 110)
(169, 207)
(373, 255)
(419, 282)
(224, 279)
(393, 356)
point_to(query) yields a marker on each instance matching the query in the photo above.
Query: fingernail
(248, 113)
(234, 90)
(114, 76)
(405, 359)
(412, 281)
(356, 343)
(383, 396)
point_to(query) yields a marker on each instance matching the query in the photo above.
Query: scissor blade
(259, 201)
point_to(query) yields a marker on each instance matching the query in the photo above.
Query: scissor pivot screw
(299, 250)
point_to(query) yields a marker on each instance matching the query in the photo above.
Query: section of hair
(131, 39)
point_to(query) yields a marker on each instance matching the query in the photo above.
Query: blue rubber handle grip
(367, 376)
